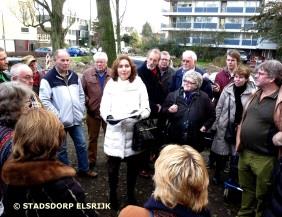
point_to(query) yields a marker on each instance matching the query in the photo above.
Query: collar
(63, 76)
(34, 172)
(178, 210)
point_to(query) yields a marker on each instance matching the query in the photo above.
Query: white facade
(14, 36)
(12, 32)
(221, 23)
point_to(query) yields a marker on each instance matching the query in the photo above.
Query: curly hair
(116, 64)
(181, 177)
(30, 139)
(13, 97)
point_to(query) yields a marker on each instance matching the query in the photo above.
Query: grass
(84, 59)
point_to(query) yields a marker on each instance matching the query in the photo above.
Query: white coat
(120, 99)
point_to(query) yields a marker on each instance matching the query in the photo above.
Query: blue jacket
(177, 82)
(63, 97)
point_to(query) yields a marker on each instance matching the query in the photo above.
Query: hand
(215, 87)
(110, 120)
(173, 108)
(159, 107)
(203, 129)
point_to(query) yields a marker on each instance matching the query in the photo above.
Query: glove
(110, 120)
(138, 117)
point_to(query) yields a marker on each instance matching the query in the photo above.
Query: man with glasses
(166, 72)
(22, 73)
(258, 133)
(149, 72)
(3, 66)
(189, 61)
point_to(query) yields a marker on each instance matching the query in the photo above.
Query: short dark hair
(115, 68)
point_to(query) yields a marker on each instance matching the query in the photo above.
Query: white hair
(17, 68)
(189, 53)
(100, 55)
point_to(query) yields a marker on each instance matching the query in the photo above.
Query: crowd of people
(241, 107)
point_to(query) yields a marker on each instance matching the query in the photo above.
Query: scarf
(239, 107)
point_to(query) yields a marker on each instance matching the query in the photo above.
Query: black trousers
(133, 165)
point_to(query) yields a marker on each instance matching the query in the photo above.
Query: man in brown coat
(93, 81)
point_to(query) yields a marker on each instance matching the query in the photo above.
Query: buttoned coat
(93, 91)
(219, 145)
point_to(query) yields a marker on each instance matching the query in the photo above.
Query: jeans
(77, 135)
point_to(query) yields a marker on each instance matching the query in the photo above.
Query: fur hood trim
(34, 172)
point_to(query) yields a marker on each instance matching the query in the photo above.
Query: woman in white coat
(124, 102)
(233, 98)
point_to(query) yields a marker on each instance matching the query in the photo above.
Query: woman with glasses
(231, 103)
(189, 111)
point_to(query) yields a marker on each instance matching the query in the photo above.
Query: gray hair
(165, 53)
(274, 70)
(100, 55)
(154, 50)
(17, 68)
(196, 76)
(189, 53)
(12, 100)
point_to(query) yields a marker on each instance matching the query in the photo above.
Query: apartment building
(218, 23)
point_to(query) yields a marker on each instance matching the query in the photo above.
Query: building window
(24, 29)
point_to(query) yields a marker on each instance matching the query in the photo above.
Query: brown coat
(277, 117)
(92, 90)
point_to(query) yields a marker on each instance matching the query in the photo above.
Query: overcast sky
(137, 11)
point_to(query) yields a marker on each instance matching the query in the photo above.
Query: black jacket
(154, 87)
(275, 206)
(184, 125)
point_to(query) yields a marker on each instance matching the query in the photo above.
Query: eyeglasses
(189, 82)
(186, 61)
(262, 74)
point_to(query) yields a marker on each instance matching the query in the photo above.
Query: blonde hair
(38, 135)
(181, 178)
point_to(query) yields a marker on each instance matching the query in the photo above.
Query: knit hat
(28, 59)
(196, 76)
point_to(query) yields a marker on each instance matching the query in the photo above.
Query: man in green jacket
(3, 66)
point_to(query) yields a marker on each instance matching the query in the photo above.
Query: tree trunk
(118, 27)
(57, 34)
(105, 27)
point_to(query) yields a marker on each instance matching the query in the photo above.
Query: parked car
(243, 56)
(43, 50)
(138, 60)
(76, 51)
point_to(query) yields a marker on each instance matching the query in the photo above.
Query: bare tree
(36, 13)
(119, 20)
(105, 27)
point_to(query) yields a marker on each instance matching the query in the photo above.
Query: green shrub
(219, 61)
